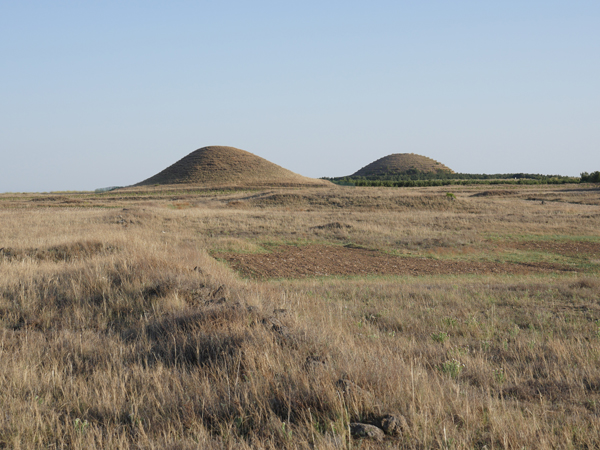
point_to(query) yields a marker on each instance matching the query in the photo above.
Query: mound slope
(400, 163)
(218, 165)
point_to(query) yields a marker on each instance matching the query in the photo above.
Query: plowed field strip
(320, 260)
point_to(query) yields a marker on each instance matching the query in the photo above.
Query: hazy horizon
(103, 94)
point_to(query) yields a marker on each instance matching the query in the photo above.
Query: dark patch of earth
(322, 260)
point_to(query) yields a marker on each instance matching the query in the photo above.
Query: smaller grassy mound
(402, 163)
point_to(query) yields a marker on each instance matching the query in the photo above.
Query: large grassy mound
(400, 163)
(218, 165)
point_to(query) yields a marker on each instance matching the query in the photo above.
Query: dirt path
(321, 260)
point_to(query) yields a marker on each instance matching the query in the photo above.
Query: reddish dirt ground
(321, 260)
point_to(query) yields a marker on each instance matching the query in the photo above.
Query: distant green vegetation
(414, 178)
(593, 177)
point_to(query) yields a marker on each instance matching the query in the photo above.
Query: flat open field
(189, 318)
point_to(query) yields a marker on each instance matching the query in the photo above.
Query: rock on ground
(393, 425)
(363, 430)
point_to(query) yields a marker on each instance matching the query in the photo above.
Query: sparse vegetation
(120, 330)
(440, 337)
(453, 368)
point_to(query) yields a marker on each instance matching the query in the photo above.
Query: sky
(108, 93)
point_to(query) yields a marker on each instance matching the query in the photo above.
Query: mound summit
(218, 165)
(402, 163)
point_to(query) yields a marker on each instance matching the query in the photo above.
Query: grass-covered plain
(119, 329)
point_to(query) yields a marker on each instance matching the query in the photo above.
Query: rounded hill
(219, 165)
(402, 163)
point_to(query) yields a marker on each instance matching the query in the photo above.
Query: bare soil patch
(322, 260)
(495, 193)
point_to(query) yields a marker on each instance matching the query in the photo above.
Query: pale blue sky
(103, 93)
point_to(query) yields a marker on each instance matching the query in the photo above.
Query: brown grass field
(185, 317)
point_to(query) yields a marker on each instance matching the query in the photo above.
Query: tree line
(415, 178)
(593, 177)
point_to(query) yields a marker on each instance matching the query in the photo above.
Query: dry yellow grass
(119, 330)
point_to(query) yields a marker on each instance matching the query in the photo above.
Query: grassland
(124, 325)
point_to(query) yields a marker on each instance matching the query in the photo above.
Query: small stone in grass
(363, 430)
(393, 425)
